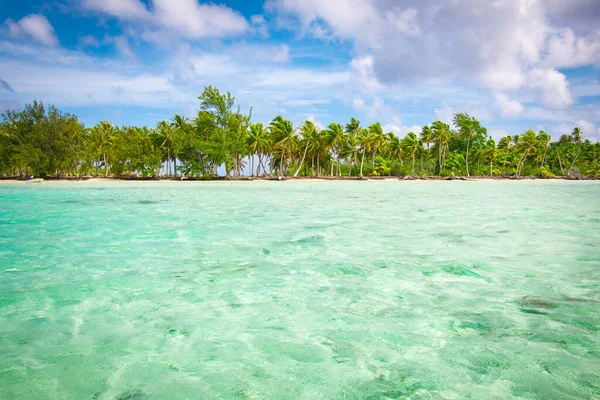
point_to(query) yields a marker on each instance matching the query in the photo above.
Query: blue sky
(514, 64)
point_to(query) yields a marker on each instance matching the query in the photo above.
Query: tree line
(44, 141)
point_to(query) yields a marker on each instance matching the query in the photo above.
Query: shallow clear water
(297, 290)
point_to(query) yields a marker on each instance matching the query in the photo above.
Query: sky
(513, 64)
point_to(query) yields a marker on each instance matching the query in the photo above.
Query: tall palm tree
(352, 129)
(378, 140)
(102, 135)
(395, 148)
(467, 127)
(180, 126)
(283, 135)
(258, 145)
(576, 138)
(441, 135)
(410, 145)
(365, 142)
(334, 137)
(307, 130)
(526, 143)
(165, 133)
(491, 151)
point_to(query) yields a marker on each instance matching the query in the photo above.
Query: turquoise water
(297, 290)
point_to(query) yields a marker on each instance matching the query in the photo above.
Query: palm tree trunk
(560, 163)
(105, 165)
(573, 163)
(413, 163)
(312, 161)
(362, 161)
(281, 162)
(301, 162)
(175, 167)
(331, 173)
(318, 166)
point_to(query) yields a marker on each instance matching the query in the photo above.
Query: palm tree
(165, 133)
(307, 131)
(334, 137)
(102, 135)
(365, 142)
(282, 132)
(258, 145)
(525, 144)
(467, 127)
(180, 127)
(441, 135)
(395, 148)
(576, 138)
(410, 146)
(378, 140)
(491, 151)
(352, 129)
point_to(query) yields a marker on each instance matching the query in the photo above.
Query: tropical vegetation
(43, 141)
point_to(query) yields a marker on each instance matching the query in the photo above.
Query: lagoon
(300, 290)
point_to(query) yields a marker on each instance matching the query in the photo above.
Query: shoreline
(300, 179)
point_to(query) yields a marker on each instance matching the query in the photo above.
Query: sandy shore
(291, 179)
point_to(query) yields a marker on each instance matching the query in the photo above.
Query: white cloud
(362, 69)
(35, 26)
(565, 49)
(184, 18)
(551, 88)
(444, 114)
(402, 130)
(508, 108)
(124, 9)
(492, 44)
(404, 21)
(259, 25)
(589, 130)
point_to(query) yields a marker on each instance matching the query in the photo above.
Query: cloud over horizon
(512, 63)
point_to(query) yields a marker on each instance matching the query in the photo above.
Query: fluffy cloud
(551, 87)
(35, 26)
(492, 44)
(508, 108)
(186, 18)
(565, 49)
(589, 130)
(401, 130)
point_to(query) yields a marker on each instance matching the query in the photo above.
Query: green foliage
(40, 140)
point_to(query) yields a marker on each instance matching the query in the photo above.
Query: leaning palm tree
(365, 142)
(378, 140)
(307, 130)
(526, 143)
(165, 132)
(102, 136)
(180, 126)
(441, 135)
(395, 148)
(352, 129)
(411, 147)
(282, 133)
(258, 145)
(467, 127)
(576, 138)
(334, 137)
